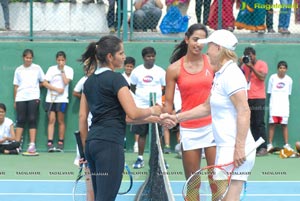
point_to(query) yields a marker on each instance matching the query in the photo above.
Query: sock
(141, 157)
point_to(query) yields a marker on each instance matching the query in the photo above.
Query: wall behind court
(44, 55)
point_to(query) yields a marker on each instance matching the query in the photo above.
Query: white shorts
(225, 155)
(197, 138)
(278, 120)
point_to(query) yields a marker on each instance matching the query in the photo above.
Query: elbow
(131, 117)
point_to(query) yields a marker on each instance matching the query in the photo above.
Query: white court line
(53, 194)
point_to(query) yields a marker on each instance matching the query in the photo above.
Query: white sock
(141, 157)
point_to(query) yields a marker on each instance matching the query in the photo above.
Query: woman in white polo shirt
(229, 109)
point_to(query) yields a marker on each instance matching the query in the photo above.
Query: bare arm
(83, 115)
(199, 111)
(260, 75)
(52, 88)
(171, 79)
(133, 112)
(15, 93)
(77, 94)
(159, 4)
(139, 4)
(65, 79)
(240, 103)
(12, 133)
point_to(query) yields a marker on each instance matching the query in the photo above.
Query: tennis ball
(297, 145)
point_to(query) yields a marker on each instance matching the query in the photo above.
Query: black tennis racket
(80, 186)
(127, 181)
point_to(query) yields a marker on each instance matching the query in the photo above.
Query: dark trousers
(269, 15)
(106, 162)
(11, 146)
(257, 121)
(206, 8)
(112, 16)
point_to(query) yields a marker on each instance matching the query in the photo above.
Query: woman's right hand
(155, 110)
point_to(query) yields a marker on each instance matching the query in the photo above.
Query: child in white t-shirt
(279, 88)
(58, 78)
(8, 145)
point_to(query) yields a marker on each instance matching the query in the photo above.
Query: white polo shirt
(227, 81)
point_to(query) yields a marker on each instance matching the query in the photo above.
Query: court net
(157, 186)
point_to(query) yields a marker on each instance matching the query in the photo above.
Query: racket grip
(79, 144)
(254, 147)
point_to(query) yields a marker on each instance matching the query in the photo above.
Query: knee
(32, 123)
(20, 123)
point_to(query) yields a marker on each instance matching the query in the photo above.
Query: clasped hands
(164, 119)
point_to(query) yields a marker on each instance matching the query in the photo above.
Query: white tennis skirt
(225, 155)
(197, 138)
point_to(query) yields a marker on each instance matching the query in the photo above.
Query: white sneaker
(31, 148)
(288, 147)
(135, 147)
(269, 147)
(178, 150)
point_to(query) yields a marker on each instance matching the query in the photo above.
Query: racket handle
(254, 147)
(79, 144)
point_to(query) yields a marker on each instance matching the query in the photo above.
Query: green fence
(87, 19)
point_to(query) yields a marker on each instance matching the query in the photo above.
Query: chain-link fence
(252, 20)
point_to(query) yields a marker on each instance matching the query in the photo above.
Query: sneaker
(288, 147)
(135, 147)
(178, 150)
(60, 147)
(7, 28)
(261, 152)
(269, 147)
(271, 30)
(31, 148)
(51, 147)
(283, 31)
(139, 163)
(167, 149)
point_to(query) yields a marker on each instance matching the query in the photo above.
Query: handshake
(164, 119)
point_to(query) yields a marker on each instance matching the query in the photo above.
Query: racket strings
(207, 184)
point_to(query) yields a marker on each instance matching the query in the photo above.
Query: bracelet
(177, 118)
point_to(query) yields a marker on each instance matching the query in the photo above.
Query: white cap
(221, 37)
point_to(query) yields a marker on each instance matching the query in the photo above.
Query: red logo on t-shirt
(280, 85)
(148, 79)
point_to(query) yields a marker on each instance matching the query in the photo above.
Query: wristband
(62, 71)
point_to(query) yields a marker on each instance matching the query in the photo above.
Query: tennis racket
(56, 81)
(127, 181)
(212, 182)
(80, 187)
